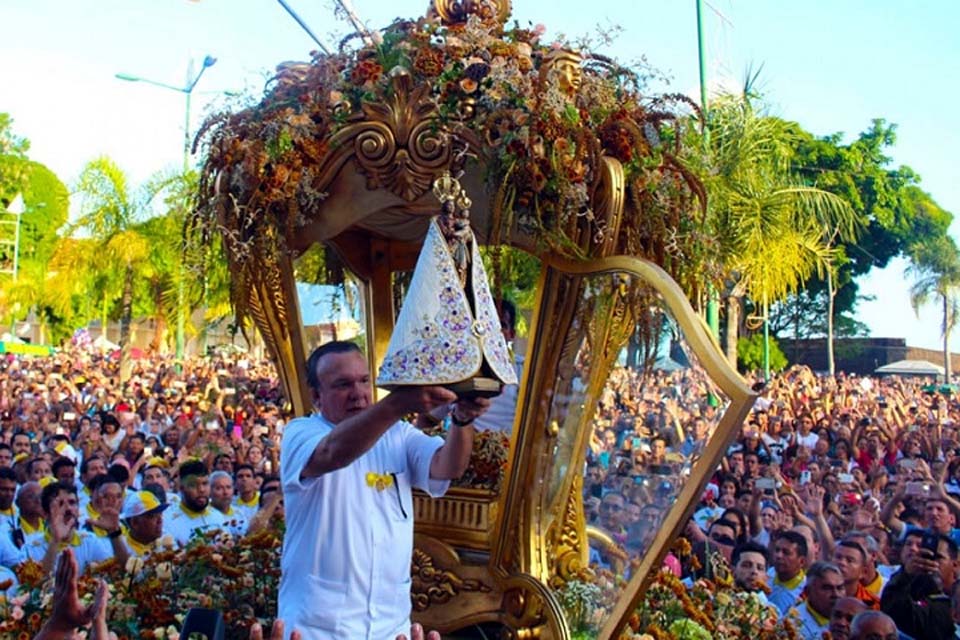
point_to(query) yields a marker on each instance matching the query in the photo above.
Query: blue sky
(832, 66)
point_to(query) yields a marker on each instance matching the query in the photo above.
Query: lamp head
(127, 77)
(209, 61)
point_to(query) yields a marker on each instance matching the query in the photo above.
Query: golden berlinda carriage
(570, 168)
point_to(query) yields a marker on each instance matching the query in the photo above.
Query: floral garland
(149, 597)
(544, 126)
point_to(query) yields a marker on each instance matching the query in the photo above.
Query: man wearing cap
(143, 514)
(194, 514)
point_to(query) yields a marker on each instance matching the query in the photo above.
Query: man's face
(343, 388)
(850, 563)
(95, 467)
(65, 473)
(66, 503)
(8, 489)
(108, 496)
(911, 547)
(938, 516)
(611, 510)
(195, 492)
(224, 464)
(877, 629)
(246, 483)
(135, 446)
(843, 613)
(806, 424)
(750, 571)
(21, 444)
(823, 592)
(6, 458)
(29, 501)
(148, 528)
(40, 469)
(154, 475)
(221, 493)
(787, 559)
(631, 513)
(723, 538)
(658, 449)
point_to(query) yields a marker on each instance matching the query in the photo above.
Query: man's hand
(63, 521)
(109, 519)
(421, 399)
(815, 495)
(68, 613)
(276, 633)
(469, 409)
(416, 633)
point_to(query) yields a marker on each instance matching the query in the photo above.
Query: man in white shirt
(221, 498)
(347, 474)
(193, 514)
(823, 589)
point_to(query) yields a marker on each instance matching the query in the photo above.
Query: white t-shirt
(87, 548)
(349, 537)
(182, 524)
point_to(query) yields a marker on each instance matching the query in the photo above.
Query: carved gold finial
(454, 12)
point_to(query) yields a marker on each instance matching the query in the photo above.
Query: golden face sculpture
(569, 73)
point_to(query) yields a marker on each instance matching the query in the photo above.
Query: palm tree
(109, 212)
(935, 268)
(771, 230)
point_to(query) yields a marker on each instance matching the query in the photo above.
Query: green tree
(13, 160)
(894, 212)
(772, 231)
(750, 354)
(935, 270)
(109, 213)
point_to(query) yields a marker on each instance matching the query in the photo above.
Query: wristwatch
(115, 533)
(457, 422)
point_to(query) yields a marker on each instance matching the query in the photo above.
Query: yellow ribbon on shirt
(379, 481)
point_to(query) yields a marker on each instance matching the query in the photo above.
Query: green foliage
(894, 211)
(13, 161)
(936, 273)
(750, 354)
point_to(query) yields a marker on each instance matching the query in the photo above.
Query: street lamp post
(187, 90)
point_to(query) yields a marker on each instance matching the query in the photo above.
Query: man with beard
(916, 596)
(194, 513)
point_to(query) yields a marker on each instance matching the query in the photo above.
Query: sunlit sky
(830, 65)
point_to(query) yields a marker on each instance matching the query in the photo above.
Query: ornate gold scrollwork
(399, 144)
(454, 12)
(432, 585)
(531, 611)
(569, 548)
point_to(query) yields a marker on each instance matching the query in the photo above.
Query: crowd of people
(837, 502)
(115, 469)
(838, 496)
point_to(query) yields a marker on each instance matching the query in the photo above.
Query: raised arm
(355, 435)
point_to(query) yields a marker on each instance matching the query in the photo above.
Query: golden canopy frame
(479, 556)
